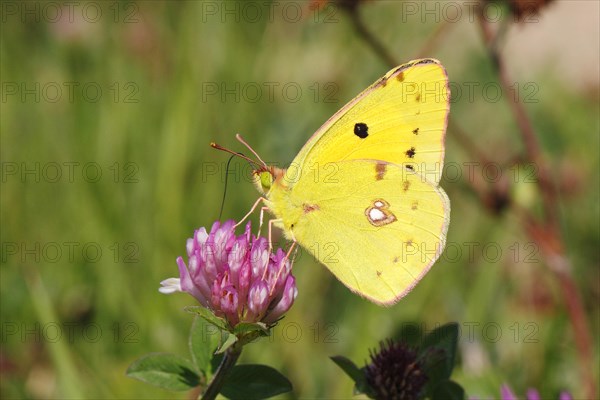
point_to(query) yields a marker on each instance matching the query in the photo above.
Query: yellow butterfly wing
(400, 118)
(377, 226)
(362, 195)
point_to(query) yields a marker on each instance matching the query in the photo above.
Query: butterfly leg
(290, 249)
(287, 255)
(262, 214)
(251, 211)
(282, 267)
(270, 240)
(271, 222)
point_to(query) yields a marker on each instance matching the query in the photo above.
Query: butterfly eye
(266, 180)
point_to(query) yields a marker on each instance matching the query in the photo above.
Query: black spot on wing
(410, 153)
(361, 130)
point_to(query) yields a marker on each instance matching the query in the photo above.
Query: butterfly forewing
(401, 118)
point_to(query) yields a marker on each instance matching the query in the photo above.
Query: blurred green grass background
(73, 322)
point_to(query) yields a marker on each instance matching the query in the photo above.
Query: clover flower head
(395, 372)
(239, 278)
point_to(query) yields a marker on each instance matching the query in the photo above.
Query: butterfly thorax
(272, 183)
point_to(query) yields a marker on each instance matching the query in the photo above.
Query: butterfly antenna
(225, 189)
(239, 137)
(235, 153)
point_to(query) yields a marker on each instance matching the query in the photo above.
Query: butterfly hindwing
(377, 226)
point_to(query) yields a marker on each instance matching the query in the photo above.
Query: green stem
(229, 359)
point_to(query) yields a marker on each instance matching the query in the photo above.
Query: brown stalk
(547, 233)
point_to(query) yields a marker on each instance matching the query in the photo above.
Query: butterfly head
(266, 177)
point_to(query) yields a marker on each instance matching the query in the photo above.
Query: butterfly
(362, 195)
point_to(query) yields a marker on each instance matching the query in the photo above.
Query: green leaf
(203, 341)
(167, 371)
(215, 362)
(349, 368)
(355, 373)
(253, 382)
(444, 338)
(434, 362)
(208, 316)
(448, 390)
(437, 354)
(247, 327)
(227, 343)
(410, 333)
